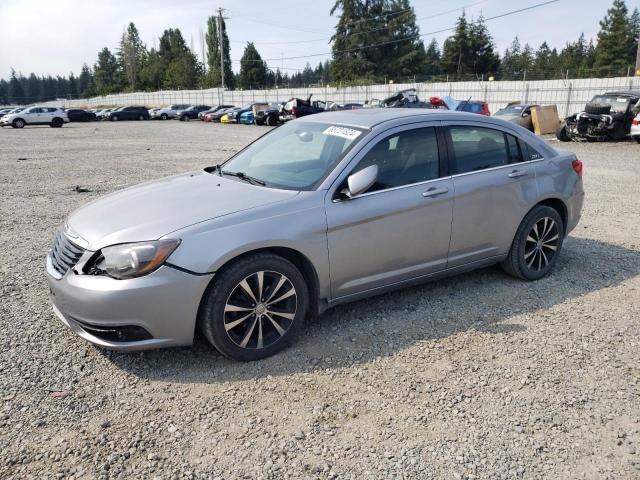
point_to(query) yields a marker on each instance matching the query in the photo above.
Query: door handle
(517, 174)
(433, 192)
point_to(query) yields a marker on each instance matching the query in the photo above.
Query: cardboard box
(545, 119)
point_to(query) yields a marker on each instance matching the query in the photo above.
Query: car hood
(155, 209)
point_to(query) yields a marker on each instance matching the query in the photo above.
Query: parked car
(4, 111)
(635, 128)
(474, 106)
(55, 117)
(217, 116)
(334, 106)
(104, 113)
(296, 108)
(234, 116)
(191, 113)
(226, 117)
(129, 113)
(13, 110)
(321, 211)
(170, 111)
(215, 109)
(606, 117)
(79, 115)
(269, 116)
(247, 118)
(518, 113)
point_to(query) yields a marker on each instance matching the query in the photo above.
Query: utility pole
(220, 20)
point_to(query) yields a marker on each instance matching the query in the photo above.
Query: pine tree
(86, 82)
(182, 67)
(107, 73)
(132, 55)
(509, 67)
(213, 55)
(616, 48)
(73, 86)
(4, 86)
(455, 51)
(404, 56)
(432, 63)
(15, 91)
(481, 49)
(253, 71)
(32, 92)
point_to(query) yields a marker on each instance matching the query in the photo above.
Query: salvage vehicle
(320, 211)
(215, 109)
(606, 117)
(217, 117)
(474, 106)
(191, 113)
(168, 112)
(635, 128)
(334, 107)
(247, 118)
(296, 108)
(269, 116)
(55, 117)
(518, 113)
(234, 115)
(409, 99)
(79, 115)
(128, 113)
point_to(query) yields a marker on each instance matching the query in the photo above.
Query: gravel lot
(478, 376)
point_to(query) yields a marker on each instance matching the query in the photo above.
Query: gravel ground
(478, 376)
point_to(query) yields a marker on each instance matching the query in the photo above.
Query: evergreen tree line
(374, 41)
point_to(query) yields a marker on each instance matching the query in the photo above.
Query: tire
(140, 117)
(271, 121)
(637, 139)
(186, 118)
(535, 234)
(114, 118)
(57, 123)
(597, 109)
(236, 332)
(18, 123)
(561, 133)
(164, 116)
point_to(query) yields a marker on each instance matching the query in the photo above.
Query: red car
(474, 106)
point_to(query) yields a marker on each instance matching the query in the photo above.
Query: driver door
(400, 228)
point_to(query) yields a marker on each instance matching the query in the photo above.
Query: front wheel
(271, 121)
(114, 118)
(255, 307)
(186, 118)
(537, 244)
(140, 117)
(19, 123)
(164, 116)
(561, 133)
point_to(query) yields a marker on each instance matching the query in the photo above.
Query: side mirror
(361, 181)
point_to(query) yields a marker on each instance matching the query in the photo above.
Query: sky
(57, 36)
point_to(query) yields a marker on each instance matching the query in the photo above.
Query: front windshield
(618, 104)
(295, 156)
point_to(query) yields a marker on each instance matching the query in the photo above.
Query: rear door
(494, 184)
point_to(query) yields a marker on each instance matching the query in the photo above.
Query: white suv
(168, 112)
(53, 116)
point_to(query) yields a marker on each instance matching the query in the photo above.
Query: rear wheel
(57, 123)
(561, 133)
(271, 121)
(114, 118)
(164, 116)
(140, 117)
(255, 307)
(18, 123)
(537, 244)
(186, 118)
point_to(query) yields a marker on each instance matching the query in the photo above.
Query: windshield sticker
(621, 100)
(348, 133)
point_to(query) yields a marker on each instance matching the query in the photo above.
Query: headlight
(130, 260)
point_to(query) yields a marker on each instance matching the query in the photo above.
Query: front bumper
(164, 304)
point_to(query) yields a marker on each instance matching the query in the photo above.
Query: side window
(515, 155)
(34, 110)
(477, 148)
(404, 158)
(533, 154)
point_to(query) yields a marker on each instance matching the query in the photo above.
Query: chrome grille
(64, 253)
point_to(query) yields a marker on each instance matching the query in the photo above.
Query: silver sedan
(323, 210)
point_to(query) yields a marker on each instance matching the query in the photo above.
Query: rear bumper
(157, 310)
(574, 211)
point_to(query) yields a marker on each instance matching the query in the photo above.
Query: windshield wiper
(245, 177)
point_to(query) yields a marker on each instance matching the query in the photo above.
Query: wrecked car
(409, 99)
(297, 107)
(607, 116)
(518, 113)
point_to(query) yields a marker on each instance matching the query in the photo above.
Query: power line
(366, 31)
(412, 37)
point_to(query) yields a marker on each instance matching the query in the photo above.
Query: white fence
(569, 95)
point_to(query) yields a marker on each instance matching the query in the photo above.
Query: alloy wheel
(260, 310)
(541, 244)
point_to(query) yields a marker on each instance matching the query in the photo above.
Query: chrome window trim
(527, 162)
(366, 194)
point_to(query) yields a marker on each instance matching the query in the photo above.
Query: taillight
(577, 167)
(636, 121)
(294, 111)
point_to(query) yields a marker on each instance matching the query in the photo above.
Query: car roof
(370, 117)
(628, 93)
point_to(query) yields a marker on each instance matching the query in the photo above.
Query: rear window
(471, 107)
